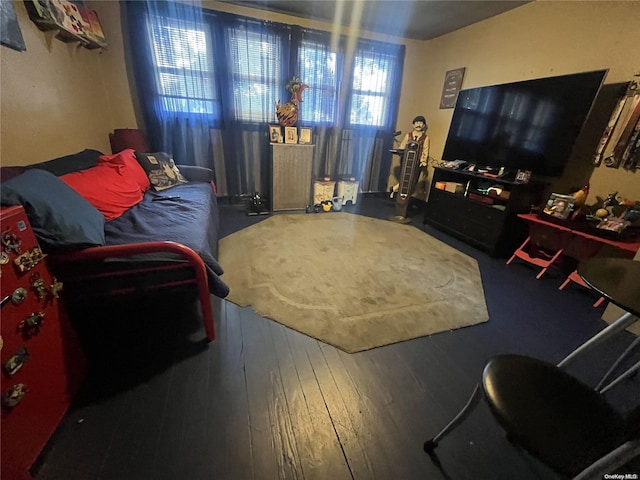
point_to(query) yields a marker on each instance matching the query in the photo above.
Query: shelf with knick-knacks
(73, 22)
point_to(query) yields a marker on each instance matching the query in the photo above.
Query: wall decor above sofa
(73, 20)
(10, 34)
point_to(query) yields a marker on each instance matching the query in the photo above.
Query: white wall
(58, 98)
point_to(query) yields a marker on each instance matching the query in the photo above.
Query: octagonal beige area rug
(352, 281)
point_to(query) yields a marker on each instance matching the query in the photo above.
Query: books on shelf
(74, 21)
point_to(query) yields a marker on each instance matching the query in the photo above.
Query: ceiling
(415, 19)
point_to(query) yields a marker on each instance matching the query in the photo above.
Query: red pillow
(129, 166)
(108, 187)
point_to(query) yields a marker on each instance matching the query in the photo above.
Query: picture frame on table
(290, 135)
(305, 136)
(613, 224)
(559, 206)
(523, 176)
(275, 133)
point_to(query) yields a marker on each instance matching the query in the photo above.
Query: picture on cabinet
(275, 133)
(305, 136)
(290, 135)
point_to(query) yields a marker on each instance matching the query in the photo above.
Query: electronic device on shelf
(455, 164)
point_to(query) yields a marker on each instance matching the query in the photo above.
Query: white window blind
(256, 65)
(320, 66)
(371, 88)
(184, 64)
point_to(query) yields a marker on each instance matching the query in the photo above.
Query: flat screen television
(527, 125)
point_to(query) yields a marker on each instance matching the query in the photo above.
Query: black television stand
(460, 204)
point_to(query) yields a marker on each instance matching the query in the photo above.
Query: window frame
(363, 50)
(154, 23)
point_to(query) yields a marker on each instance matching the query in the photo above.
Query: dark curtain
(236, 84)
(185, 134)
(243, 70)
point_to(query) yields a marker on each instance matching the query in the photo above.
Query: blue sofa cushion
(60, 217)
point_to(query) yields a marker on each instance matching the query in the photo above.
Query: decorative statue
(419, 135)
(287, 113)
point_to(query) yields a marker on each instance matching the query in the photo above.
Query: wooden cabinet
(42, 363)
(291, 166)
(482, 218)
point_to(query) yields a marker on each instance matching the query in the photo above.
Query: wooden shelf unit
(484, 220)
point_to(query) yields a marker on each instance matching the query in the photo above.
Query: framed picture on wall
(452, 84)
(10, 33)
(305, 136)
(290, 135)
(275, 134)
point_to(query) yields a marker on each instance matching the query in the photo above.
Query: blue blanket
(185, 214)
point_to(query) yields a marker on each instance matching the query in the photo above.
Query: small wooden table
(569, 242)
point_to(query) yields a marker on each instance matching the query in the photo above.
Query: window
(229, 68)
(371, 90)
(255, 61)
(320, 67)
(184, 70)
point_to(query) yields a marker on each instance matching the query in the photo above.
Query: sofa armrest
(196, 174)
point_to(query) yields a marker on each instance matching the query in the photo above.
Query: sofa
(125, 223)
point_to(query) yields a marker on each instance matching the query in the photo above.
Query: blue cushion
(60, 217)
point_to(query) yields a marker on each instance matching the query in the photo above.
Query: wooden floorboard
(228, 425)
(266, 402)
(319, 450)
(339, 403)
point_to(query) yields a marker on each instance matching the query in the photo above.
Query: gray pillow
(161, 170)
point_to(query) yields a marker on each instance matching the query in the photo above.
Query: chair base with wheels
(550, 414)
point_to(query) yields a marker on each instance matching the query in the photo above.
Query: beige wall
(58, 98)
(540, 39)
(613, 312)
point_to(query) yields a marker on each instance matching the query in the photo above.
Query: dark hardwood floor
(265, 402)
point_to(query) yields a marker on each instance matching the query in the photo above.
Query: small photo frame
(523, 176)
(275, 134)
(305, 136)
(559, 206)
(613, 224)
(290, 135)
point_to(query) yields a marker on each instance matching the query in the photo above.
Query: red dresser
(42, 362)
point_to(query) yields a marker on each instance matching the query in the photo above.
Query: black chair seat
(555, 417)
